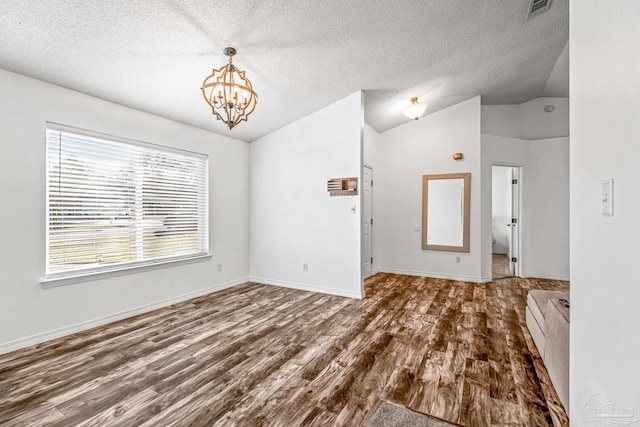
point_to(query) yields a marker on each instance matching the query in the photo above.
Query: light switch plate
(607, 197)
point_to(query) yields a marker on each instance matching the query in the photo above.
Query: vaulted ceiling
(300, 55)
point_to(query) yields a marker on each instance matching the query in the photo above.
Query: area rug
(390, 415)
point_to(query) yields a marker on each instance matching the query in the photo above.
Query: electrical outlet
(305, 267)
(219, 266)
(457, 260)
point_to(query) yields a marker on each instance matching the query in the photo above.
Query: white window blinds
(114, 203)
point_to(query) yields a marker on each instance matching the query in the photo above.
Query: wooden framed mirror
(446, 211)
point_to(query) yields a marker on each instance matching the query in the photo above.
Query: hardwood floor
(500, 268)
(261, 355)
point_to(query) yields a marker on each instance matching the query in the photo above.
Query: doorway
(367, 222)
(505, 221)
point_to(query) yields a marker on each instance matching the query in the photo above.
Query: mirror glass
(445, 217)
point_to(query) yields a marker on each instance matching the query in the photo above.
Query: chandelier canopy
(229, 93)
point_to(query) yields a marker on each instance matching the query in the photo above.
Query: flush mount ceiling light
(229, 93)
(416, 109)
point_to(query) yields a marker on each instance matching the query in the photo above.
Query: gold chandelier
(229, 93)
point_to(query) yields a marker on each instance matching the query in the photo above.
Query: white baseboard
(456, 277)
(305, 287)
(545, 276)
(83, 326)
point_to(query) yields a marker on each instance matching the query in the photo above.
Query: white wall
(545, 192)
(370, 143)
(293, 219)
(406, 153)
(30, 313)
(527, 120)
(500, 208)
(501, 120)
(546, 238)
(605, 130)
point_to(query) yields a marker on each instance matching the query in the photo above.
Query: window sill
(120, 271)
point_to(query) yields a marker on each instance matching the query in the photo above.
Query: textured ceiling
(300, 56)
(558, 82)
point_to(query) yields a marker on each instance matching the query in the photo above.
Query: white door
(367, 222)
(514, 240)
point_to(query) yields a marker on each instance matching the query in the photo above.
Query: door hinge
(513, 181)
(514, 259)
(372, 183)
(514, 220)
(371, 260)
(371, 221)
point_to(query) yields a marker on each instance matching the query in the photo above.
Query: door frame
(521, 214)
(362, 210)
(514, 229)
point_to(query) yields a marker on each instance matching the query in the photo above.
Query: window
(114, 203)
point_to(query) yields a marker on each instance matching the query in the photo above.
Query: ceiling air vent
(537, 7)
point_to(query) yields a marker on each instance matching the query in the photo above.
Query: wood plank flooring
(258, 355)
(501, 266)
